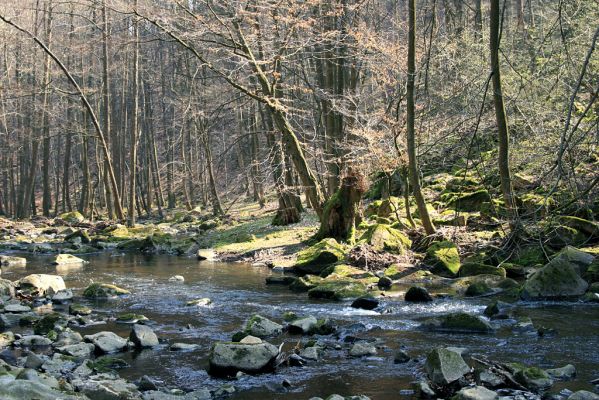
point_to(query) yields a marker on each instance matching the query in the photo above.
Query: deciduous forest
(299, 199)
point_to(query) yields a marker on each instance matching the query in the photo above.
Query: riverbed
(238, 291)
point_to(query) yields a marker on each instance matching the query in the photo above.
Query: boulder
(62, 296)
(50, 322)
(383, 237)
(73, 217)
(183, 347)
(476, 393)
(249, 339)
(589, 228)
(469, 201)
(262, 327)
(473, 268)
(177, 278)
(558, 279)
(99, 388)
(26, 389)
(533, 378)
(63, 259)
(16, 308)
(318, 257)
(458, 322)
(338, 290)
(365, 303)
(206, 255)
(79, 350)
(478, 289)
(142, 336)
(103, 291)
(417, 294)
(565, 373)
(444, 258)
(361, 349)
(79, 309)
(583, 395)
(78, 237)
(310, 353)
(107, 342)
(9, 261)
(41, 284)
(592, 273)
(230, 358)
(204, 302)
(444, 366)
(303, 325)
(579, 259)
(7, 289)
(384, 282)
(33, 341)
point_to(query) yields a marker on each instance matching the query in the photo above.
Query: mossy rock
(469, 201)
(462, 184)
(560, 236)
(73, 217)
(444, 258)
(589, 228)
(107, 364)
(528, 256)
(130, 318)
(317, 258)
(514, 271)
(79, 309)
(305, 283)
(103, 290)
(478, 289)
(338, 290)
(289, 316)
(533, 204)
(47, 323)
(592, 273)
(384, 238)
(533, 378)
(79, 235)
(459, 323)
(137, 244)
(394, 271)
(345, 271)
(556, 280)
(472, 269)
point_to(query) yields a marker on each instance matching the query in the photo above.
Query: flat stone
(476, 393)
(16, 308)
(107, 342)
(183, 347)
(362, 349)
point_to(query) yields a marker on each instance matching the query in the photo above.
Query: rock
(204, 302)
(79, 309)
(206, 255)
(50, 322)
(417, 294)
(383, 237)
(489, 379)
(63, 259)
(558, 279)
(524, 325)
(310, 353)
(33, 341)
(24, 389)
(361, 349)
(262, 327)
(33, 361)
(106, 342)
(469, 201)
(131, 318)
(176, 278)
(97, 388)
(280, 280)
(444, 258)
(78, 237)
(142, 336)
(338, 290)
(315, 259)
(146, 383)
(589, 228)
(473, 269)
(564, 373)
(80, 350)
(533, 378)
(303, 325)
(63, 296)
(103, 290)
(476, 393)
(16, 308)
(424, 390)
(183, 347)
(7, 289)
(579, 259)
(476, 289)
(9, 261)
(230, 358)
(365, 303)
(444, 366)
(68, 337)
(73, 217)
(401, 357)
(583, 395)
(497, 310)
(6, 339)
(41, 284)
(249, 339)
(384, 282)
(458, 322)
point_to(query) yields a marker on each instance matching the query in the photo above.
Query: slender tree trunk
(134, 127)
(47, 193)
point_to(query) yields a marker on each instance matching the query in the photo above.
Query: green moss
(478, 289)
(530, 255)
(471, 269)
(46, 323)
(464, 322)
(592, 273)
(444, 258)
(305, 283)
(383, 237)
(316, 258)
(345, 271)
(107, 364)
(103, 290)
(394, 272)
(589, 228)
(338, 290)
(289, 316)
(73, 217)
(131, 317)
(467, 201)
(79, 309)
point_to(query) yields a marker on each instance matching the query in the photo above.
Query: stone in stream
(7, 289)
(583, 395)
(41, 284)
(62, 296)
(6, 339)
(490, 379)
(68, 337)
(79, 351)
(565, 373)
(401, 357)
(16, 308)
(303, 325)
(204, 302)
(310, 353)
(63, 259)
(384, 282)
(142, 336)
(230, 358)
(97, 387)
(176, 278)
(10, 261)
(458, 322)
(418, 294)
(365, 303)
(444, 366)
(315, 259)
(362, 349)
(533, 378)
(206, 255)
(262, 327)
(475, 393)
(79, 309)
(183, 347)
(25, 389)
(33, 341)
(103, 291)
(107, 342)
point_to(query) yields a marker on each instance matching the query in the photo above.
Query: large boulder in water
(7, 289)
(262, 327)
(10, 261)
(445, 366)
(107, 342)
(24, 389)
(383, 237)
(103, 291)
(473, 269)
(65, 259)
(143, 336)
(317, 258)
(230, 358)
(458, 323)
(41, 284)
(560, 278)
(444, 258)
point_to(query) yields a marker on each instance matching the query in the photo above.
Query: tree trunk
(134, 125)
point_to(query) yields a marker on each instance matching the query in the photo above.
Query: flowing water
(239, 290)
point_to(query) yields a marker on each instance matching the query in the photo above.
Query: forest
(299, 199)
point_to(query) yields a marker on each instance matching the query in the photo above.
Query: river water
(239, 291)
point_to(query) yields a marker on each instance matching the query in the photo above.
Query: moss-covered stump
(73, 217)
(557, 280)
(317, 258)
(458, 323)
(472, 269)
(338, 290)
(103, 291)
(384, 238)
(468, 201)
(444, 258)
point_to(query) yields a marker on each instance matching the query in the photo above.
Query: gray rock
(262, 327)
(80, 350)
(59, 365)
(10, 261)
(6, 339)
(21, 389)
(303, 325)
(68, 337)
(33, 361)
(107, 342)
(177, 278)
(310, 353)
(489, 379)
(361, 349)
(459, 322)
(229, 358)
(249, 339)
(583, 395)
(33, 341)
(564, 373)
(7, 289)
(206, 255)
(183, 347)
(401, 357)
(204, 302)
(41, 284)
(146, 383)
(63, 296)
(444, 366)
(476, 393)
(97, 388)
(557, 279)
(32, 375)
(424, 390)
(16, 308)
(534, 379)
(142, 336)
